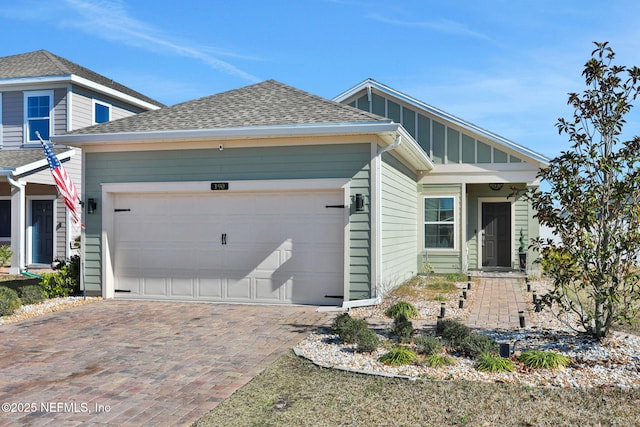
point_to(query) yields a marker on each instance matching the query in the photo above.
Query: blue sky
(506, 66)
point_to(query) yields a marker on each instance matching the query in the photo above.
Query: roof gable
(366, 91)
(265, 104)
(42, 63)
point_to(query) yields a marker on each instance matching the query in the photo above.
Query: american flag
(65, 186)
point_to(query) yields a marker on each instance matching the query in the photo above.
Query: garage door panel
(279, 246)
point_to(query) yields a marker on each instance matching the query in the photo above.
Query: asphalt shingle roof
(42, 63)
(269, 103)
(13, 159)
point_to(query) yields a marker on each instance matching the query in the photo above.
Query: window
(101, 112)
(38, 106)
(5, 218)
(439, 222)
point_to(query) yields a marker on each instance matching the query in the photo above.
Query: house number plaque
(219, 186)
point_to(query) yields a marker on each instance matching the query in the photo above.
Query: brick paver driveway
(139, 363)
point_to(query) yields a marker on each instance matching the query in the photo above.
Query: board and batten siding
(348, 160)
(399, 216)
(441, 260)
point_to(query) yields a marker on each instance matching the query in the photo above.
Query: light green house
(269, 194)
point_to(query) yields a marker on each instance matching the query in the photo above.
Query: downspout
(377, 299)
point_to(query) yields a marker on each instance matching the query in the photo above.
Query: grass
(294, 392)
(434, 287)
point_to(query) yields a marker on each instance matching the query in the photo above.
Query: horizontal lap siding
(83, 107)
(399, 220)
(442, 261)
(297, 162)
(12, 119)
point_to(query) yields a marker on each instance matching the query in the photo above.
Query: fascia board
(369, 83)
(81, 81)
(41, 163)
(79, 140)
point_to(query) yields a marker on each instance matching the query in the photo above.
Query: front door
(42, 231)
(496, 234)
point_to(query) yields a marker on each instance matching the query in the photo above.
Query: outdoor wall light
(496, 186)
(91, 206)
(359, 203)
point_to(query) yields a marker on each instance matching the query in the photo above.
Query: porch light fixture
(91, 206)
(496, 186)
(359, 202)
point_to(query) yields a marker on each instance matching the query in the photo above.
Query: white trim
(80, 81)
(111, 190)
(25, 114)
(41, 163)
(29, 225)
(457, 223)
(482, 200)
(95, 102)
(69, 108)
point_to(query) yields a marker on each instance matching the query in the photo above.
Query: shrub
(438, 360)
(349, 329)
(452, 331)
(455, 277)
(402, 329)
(401, 308)
(367, 341)
(58, 284)
(71, 269)
(543, 359)
(5, 254)
(476, 344)
(399, 356)
(489, 363)
(428, 345)
(9, 301)
(32, 294)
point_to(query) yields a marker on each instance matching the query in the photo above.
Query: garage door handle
(224, 238)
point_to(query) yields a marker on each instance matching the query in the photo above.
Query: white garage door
(271, 247)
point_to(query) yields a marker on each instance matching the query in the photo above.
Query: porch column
(18, 227)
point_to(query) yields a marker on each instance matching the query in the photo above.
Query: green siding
(484, 153)
(499, 156)
(442, 261)
(424, 133)
(378, 105)
(468, 149)
(453, 146)
(393, 111)
(438, 142)
(299, 162)
(399, 219)
(409, 121)
(363, 103)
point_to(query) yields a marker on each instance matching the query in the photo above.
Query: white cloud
(441, 25)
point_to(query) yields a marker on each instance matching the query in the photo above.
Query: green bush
(476, 344)
(32, 294)
(9, 301)
(490, 363)
(427, 344)
(71, 270)
(349, 329)
(58, 284)
(5, 254)
(543, 359)
(402, 329)
(367, 341)
(399, 356)
(401, 308)
(438, 360)
(452, 331)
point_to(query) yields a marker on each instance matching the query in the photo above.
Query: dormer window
(101, 112)
(38, 108)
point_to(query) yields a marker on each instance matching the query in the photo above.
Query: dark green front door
(42, 231)
(496, 241)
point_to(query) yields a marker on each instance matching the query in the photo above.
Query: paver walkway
(497, 302)
(133, 363)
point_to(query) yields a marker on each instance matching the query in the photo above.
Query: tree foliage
(593, 204)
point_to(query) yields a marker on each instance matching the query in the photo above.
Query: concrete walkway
(497, 301)
(133, 363)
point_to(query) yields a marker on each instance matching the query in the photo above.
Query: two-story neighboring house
(45, 93)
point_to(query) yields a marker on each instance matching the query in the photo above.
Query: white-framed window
(38, 108)
(101, 112)
(440, 228)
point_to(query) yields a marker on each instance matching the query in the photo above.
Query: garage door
(269, 247)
